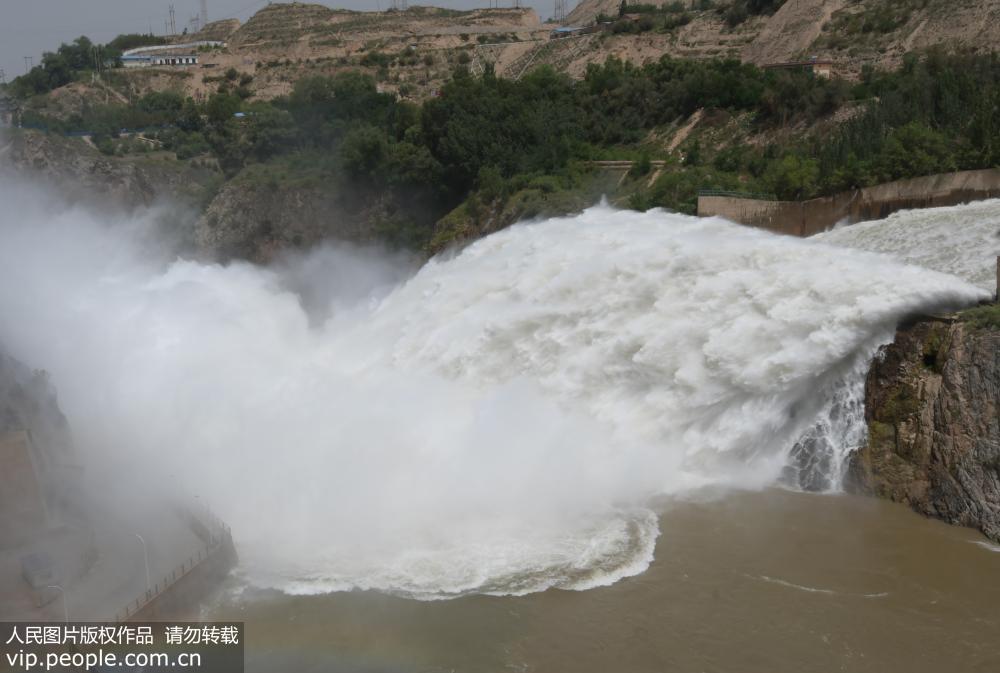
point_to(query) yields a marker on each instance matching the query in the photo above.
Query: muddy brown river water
(750, 582)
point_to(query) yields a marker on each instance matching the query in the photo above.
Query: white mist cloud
(497, 422)
(254, 389)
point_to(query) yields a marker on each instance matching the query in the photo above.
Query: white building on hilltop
(167, 54)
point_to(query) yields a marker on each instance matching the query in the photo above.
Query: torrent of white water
(960, 240)
(499, 422)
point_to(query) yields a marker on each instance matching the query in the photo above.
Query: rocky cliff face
(255, 220)
(82, 174)
(28, 402)
(39, 469)
(933, 412)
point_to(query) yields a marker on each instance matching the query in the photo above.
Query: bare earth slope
(791, 31)
(851, 33)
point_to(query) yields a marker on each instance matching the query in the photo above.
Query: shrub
(983, 317)
(105, 146)
(794, 177)
(363, 150)
(641, 167)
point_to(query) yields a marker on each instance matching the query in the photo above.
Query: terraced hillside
(852, 33)
(412, 52)
(221, 30)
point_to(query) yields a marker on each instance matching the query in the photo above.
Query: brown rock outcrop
(932, 404)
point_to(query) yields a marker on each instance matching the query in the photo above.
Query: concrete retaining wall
(805, 218)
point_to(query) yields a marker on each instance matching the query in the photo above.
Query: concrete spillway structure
(805, 218)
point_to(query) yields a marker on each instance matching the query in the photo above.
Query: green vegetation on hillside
(70, 61)
(668, 16)
(867, 23)
(934, 114)
(983, 317)
(739, 11)
(505, 148)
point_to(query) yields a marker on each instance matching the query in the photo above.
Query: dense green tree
(271, 132)
(134, 40)
(412, 165)
(914, 150)
(794, 177)
(189, 118)
(221, 108)
(363, 150)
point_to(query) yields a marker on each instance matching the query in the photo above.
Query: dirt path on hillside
(790, 32)
(684, 131)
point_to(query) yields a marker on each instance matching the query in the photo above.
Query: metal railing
(215, 543)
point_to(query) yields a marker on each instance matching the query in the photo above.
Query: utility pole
(173, 21)
(29, 63)
(204, 13)
(145, 558)
(560, 11)
(3, 77)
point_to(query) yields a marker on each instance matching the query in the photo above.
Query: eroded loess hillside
(410, 52)
(851, 33)
(413, 52)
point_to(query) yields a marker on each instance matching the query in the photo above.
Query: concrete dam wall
(805, 218)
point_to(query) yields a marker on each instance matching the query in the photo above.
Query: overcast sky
(29, 27)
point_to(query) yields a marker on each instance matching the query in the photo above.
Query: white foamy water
(961, 240)
(498, 423)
